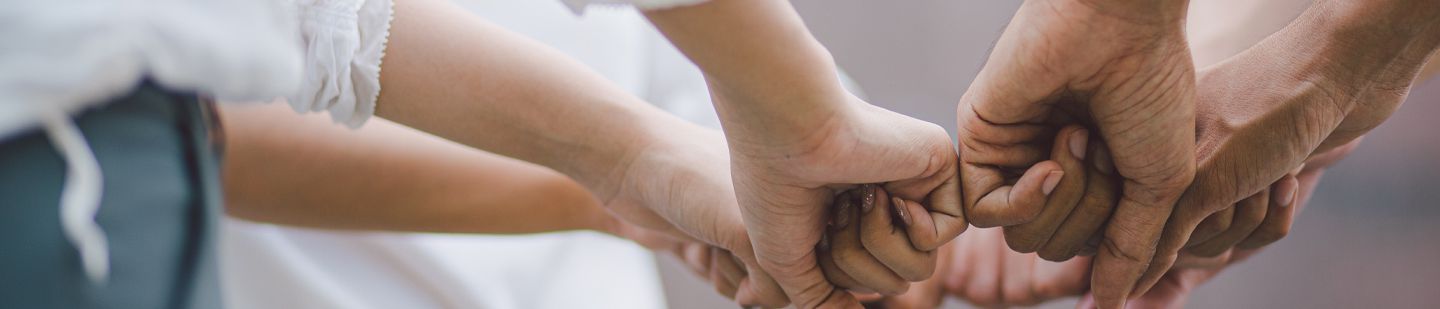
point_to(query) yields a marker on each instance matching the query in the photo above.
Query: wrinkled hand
(1264, 112)
(1121, 68)
(1175, 287)
(785, 188)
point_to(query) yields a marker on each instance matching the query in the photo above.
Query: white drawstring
(80, 200)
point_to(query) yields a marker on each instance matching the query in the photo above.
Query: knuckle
(1056, 254)
(1112, 248)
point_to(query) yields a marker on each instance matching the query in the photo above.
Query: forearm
(1384, 41)
(491, 89)
(303, 170)
(1373, 51)
(761, 62)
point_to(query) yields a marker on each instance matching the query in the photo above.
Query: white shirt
(60, 57)
(266, 266)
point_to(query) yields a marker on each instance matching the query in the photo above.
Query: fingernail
(1051, 181)
(868, 202)
(1102, 161)
(842, 213)
(1288, 197)
(900, 210)
(1078, 141)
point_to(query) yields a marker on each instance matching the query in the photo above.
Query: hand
(1174, 288)
(866, 246)
(1123, 70)
(784, 189)
(680, 186)
(797, 137)
(983, 270)
(1267, 110)
(723, 270)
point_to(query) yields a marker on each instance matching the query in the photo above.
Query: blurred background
(1367, 238)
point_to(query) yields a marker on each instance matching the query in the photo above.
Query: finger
(728, 270)
(1069, 151)
(1249, 213)
(1192, 261)
(882, 233)
(926, 294)
(1091, 213)
(1281, 215)
(758, 289)
(833, 273)
(851, 257)
(941, 219)
(973, 127)
(724, 283)
(1002, 155)
(1177, 230)
(989, 202)
(1212, 225)
(697, 258)
(1129, 245)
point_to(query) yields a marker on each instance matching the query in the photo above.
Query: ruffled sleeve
(344, 42)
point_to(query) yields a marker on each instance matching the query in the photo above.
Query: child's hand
(866, 248)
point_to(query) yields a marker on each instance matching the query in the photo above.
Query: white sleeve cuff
(578, 6)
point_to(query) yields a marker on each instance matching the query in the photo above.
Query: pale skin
(305, 171)
(455, 76)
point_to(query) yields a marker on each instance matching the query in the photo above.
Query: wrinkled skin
(1263, 113)
(1121, 69)
(982, 272)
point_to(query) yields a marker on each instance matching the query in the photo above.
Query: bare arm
(1220, 29)
(303, 170)
(796, 138)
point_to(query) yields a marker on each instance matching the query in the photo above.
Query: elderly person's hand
(979, 269)
(1264, 112)
(1120, 67)
(1174, 288)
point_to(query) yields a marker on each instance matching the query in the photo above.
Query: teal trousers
(159, 209)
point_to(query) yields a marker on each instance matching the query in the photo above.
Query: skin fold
(982, 271)
(1121, 68)
(1292, 96)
